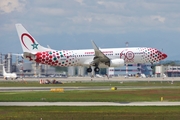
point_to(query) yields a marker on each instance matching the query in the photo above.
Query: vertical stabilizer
(4, 72)
(28, 43)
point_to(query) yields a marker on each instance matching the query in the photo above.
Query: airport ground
(101, 79)
(129, 91)
(89, 113)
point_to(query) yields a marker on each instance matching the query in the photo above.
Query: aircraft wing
(100, 57)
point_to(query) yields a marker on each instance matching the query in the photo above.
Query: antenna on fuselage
(48, 46)
(127, 44)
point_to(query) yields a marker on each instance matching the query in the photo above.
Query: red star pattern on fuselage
(56, 58)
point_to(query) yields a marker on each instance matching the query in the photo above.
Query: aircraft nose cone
(161, 55)
(164, 56)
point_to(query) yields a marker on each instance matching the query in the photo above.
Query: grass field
(92, 95)
(92, 113)
(89, 113)
(120, 95)
(109, 83)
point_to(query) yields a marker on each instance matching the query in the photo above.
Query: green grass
(120, 95)
(90, 113)
(93, 95)
(109, 83)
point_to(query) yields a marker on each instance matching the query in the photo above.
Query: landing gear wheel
(89, 70)
(96, 69)
(151, 65)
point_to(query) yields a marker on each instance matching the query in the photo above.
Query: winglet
(4, 72)
(94, 45)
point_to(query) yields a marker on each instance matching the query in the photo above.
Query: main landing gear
(96, 69)
(89, 70)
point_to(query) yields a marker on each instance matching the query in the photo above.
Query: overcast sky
(72, 24)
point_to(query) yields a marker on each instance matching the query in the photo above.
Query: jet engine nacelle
(116, 62)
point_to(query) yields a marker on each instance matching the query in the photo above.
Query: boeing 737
(9, 75)
(97, 57)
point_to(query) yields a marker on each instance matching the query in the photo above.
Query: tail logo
(34, 45)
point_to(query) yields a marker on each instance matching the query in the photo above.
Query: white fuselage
(85, 57)
(109, 57)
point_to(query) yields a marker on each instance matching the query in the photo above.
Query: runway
(21, 89)
(86, 79)
(89, 104)
(102, 79)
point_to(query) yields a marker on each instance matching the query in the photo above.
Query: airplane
(9, 75)
(96, 57)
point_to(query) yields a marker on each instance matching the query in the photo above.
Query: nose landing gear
(152, 66)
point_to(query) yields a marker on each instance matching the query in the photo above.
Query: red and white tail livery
(97, 57)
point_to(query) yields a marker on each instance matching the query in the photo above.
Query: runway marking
(89, 104)
(7, 93)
